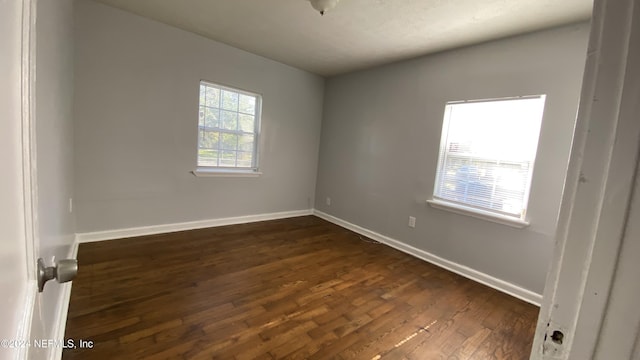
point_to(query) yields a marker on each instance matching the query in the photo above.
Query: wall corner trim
(475, 275)
(191, 225)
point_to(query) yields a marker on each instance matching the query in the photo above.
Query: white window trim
(217, 172)
(462, 209)
(478, 213)
(213, 171)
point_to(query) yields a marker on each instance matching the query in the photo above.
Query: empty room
(320, 179)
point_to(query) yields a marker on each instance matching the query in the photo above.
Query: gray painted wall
(381, 132)
(54, 147)
(136, 109)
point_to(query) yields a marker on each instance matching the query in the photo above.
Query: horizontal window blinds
(487, 153)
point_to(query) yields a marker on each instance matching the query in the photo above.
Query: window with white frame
(487, 152)
(228, 128)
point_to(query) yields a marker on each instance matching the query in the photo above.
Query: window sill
(202, 172)
(479, 214)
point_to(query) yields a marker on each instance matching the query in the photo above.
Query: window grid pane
(227, 136)
(487, 153)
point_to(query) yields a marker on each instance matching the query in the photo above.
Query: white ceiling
(358, 33)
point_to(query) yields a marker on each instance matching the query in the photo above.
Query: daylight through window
(228, 128)
(487, 153)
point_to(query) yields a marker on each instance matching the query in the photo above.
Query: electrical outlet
(412, 222)
(70, 205)
(328, 201)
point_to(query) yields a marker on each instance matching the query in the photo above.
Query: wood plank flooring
(299, 288)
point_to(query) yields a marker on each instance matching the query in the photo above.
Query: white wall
(381, 132)
(136, 109)
(54, 149)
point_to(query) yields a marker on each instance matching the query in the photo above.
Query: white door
(17, 279)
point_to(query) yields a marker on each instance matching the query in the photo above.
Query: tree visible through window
(487, 153)
(228, 128)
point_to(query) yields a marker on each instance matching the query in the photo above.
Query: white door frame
(598, 188)
(29, 133)
(29, 173)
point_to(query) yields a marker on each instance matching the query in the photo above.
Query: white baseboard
(60, 323)
(191, 225)
(475, 275)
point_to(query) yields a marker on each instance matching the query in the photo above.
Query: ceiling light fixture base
(323, 5)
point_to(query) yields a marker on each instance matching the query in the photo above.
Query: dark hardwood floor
(299, 288)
